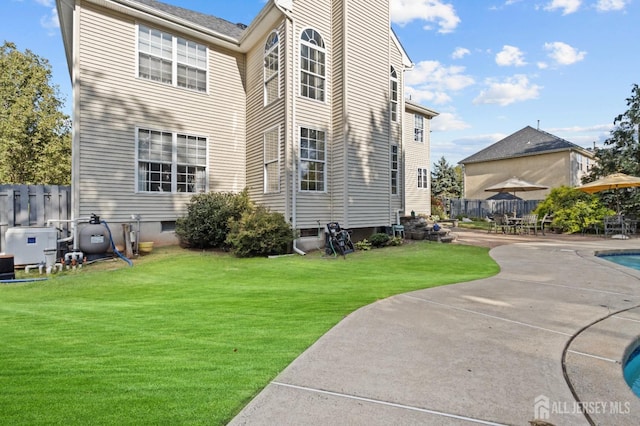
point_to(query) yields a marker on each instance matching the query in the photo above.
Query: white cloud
(447, 122)
(542, 65)
(510, 56)
(47, 3)
(434, 75)
(609, 5)
(567, 6)
(513, 89)
(460, 53)
(564, 54)
(51, 21)
(431, 11)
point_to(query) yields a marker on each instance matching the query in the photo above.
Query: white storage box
(27, 244)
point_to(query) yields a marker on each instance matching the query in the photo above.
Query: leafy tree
(35, 138)
(621, 153)
(446, 180)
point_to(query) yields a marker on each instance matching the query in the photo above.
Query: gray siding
(112, 102)
(417, 155)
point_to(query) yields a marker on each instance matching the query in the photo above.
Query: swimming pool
(631, 370)
(628, 259)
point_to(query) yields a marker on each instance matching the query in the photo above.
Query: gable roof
(522, 143)
(211, 22)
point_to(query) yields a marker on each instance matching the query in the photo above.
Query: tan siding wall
(368, 114)
(416, 156)
(552, 170)
(113, 102)
(261, 118)
(311, 206)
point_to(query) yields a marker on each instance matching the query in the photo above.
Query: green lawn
(189, 337)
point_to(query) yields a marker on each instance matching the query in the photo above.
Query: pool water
(630, 260)
(632, 371)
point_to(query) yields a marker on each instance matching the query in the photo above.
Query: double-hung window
(393, 95)
(418, 128)
(271, 67)
(171, 162)
(423, 178)
(312, 65)
(394, 169)
(171, 60)
(272, 161)
(312, 160)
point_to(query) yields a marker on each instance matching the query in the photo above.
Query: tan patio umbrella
(613, 181)
(515, 185)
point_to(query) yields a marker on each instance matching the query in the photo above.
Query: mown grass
(189, 337)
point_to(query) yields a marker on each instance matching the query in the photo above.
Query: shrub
(380, 239)
(260, 232)
(207, 221)
(396, 241)
(572, 209)
(363, 245)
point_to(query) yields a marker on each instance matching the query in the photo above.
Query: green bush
(380, 239)
(260, 232)
(396, 241)
(207, 221)
(573, 210)
(363, 245)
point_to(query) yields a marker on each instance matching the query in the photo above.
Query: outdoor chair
(529, 223)
(614, 225)
(499, 222)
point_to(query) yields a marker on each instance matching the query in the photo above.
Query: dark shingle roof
(208, 21)
(522, 143)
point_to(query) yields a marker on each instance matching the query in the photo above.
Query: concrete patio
(544, 339)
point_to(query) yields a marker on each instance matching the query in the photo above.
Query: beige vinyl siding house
(530, 154)
(300, 107)
(417, 158)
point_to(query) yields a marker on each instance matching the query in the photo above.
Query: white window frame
(312, 40)
(310, 154)
(271, 160)
(418, 128)
(423, 178)
(195, 61)
(271, 67)
(173, 163)
(395, 170)
(393, 95)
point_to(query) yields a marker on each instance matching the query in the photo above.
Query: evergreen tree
(621, 153)
(35, 138)
(446, 180)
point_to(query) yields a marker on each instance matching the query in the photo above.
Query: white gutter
(292, 130)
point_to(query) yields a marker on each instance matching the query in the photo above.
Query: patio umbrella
(514, 185)
(613, 181)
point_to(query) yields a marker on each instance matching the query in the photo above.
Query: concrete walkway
(544, 339)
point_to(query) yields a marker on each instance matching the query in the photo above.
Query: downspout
(345, 116)
(75, 125)
(292, 129)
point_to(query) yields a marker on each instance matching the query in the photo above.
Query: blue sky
(490, 67)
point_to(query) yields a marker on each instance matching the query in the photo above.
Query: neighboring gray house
(530, 154)
(304, 107)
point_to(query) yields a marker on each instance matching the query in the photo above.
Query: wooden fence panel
(33, 205)
(480, 209)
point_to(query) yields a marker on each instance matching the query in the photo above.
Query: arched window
(393, 97)
(271, 68)
(312, 65)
